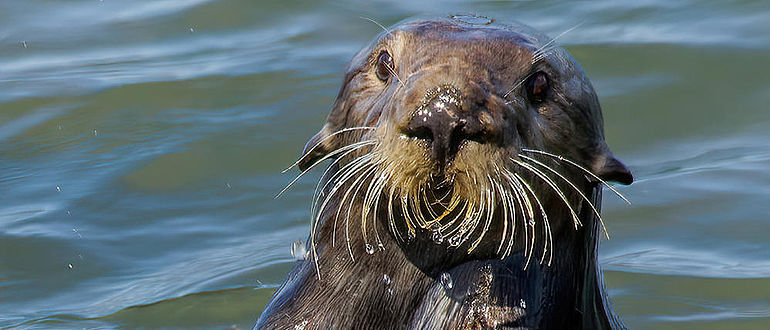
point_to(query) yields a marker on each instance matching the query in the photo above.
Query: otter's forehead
(452, 33)
(503, 49)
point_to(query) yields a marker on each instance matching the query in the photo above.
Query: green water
(141, 144)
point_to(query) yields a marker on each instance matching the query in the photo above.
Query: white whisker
(537, 53)
(320, 190)
(561, 158)
(324, 140)
(314, 222)
(552, 184)
(375, 22)
(329, 155)
(351, 170)
(591, 204)
(542, 212)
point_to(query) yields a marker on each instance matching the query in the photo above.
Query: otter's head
(464, 136)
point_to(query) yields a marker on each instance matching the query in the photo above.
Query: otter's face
(456, 131)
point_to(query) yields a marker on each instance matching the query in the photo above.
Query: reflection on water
(141, 145)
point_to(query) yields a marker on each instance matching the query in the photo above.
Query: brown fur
(519, 245)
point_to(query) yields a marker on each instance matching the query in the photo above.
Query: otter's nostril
(443, 122)
(420, 132)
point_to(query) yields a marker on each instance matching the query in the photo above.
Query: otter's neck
(391, 285)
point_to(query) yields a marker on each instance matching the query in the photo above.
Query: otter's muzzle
(443, 122)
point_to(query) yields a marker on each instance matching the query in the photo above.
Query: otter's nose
(443, 122)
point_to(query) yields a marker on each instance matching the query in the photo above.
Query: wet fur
(377, 264)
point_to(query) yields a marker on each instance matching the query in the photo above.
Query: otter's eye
(384, 65)
(537, 87)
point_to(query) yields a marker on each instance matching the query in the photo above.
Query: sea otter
(468, 158)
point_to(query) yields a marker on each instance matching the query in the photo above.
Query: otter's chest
(483, 295)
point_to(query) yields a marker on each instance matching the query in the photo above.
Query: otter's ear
(609, 168)
(327, 140)
(320, 145)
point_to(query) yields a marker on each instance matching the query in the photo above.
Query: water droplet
(369, 249)
(446, 281)
(455, 240)
(386, 279)
(523, 304)
(437, 237)
(70, 266)
(228, 185)
(69, 213)
(58, 189)
(301, 326)
(192, 30)
(531, 222)
(24, 44)
(96, 133)
(298, 250)
(380, 246)
(58, 127)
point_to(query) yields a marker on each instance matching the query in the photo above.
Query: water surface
(141, 144)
